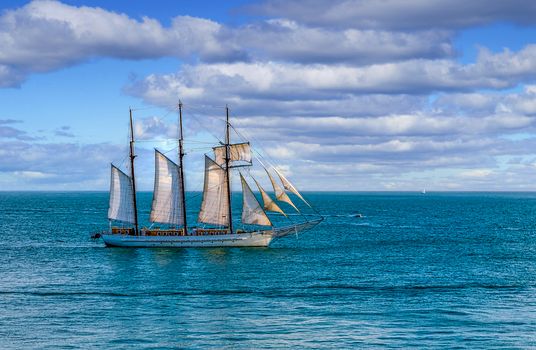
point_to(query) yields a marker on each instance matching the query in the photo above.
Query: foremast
(133, 178)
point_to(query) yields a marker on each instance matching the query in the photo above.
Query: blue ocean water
(441, 270)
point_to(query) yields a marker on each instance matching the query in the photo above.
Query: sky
(341, 95)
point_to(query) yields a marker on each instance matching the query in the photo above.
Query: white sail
(121, 197)
(280, 194)
(252, 212)
(238, 152)
(215, 205)
(268, 202)
(167, 205)
(289, 186)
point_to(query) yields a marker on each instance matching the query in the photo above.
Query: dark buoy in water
(358, 215)
(96, 236)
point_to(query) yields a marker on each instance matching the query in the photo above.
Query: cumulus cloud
(291, 41)
(62, 35)
(45, 35)
(243, 81)
(478, 103)
(400, 14)
(57, 162)
(326, 128)
(153, 128)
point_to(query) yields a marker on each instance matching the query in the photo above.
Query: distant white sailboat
(169, 203)
(423, 191)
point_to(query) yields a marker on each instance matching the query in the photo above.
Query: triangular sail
(252, 212)
(215, 205)
(268, 202)
(238, 152)
(280, 194)
(121, 197)
(290, 187)
(167, 206)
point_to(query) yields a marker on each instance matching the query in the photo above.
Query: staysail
(289, 186)
(215, 205)
(268, 202)
(238, 152)
(252, 212)
(280, 194)
(167, 206)
(121, 197)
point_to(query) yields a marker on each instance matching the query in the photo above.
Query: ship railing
(123, 231)
(167, 232)
(210, 232)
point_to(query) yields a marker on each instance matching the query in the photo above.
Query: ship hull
(250, 239)
(245, 239)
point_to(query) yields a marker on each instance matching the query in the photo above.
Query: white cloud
(32, 175)
(401, 14)
(392, 125)
(478, 103)
(478, 173)
(61, 162)
(291, 41)
(60, 35)
(242, 81)
(153, 128)
(45, 35)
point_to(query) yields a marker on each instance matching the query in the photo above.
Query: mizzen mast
(132, 156)
(181, 172)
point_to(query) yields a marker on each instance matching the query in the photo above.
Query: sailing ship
(215, 226)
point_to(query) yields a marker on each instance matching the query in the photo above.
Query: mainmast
(227, 158)
(181, 172)
(132, 156)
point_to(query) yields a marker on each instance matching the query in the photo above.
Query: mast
(132, 156)
(227, 158)
(181, 172)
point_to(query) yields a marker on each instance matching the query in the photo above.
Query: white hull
(246, 239)
(250, 239)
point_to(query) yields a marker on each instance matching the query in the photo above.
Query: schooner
(216, 226)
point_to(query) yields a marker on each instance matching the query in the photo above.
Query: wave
(290, 292)
(126, 294)
(27, 210)
(354, 215)
(417, 287)
(366, 224)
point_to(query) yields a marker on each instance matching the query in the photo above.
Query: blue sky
(342, 95)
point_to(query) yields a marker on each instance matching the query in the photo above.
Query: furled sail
(215, 205)
(252, 212)
(167, 204)
(280, 194)
(269, 204)
(290, 187)
(238, 152)
(121, 197)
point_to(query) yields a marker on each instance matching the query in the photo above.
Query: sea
(433, 271)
